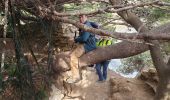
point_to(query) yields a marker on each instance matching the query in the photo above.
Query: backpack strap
(101, 42)
(109, 42)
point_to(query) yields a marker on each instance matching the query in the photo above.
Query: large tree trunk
(156, 55)
(163, 89)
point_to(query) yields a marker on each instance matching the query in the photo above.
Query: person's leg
(74, 56)
(105, 66)
(98, 70)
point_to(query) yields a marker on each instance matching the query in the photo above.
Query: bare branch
(53, 16)
(163, 3)
(116, 35)
(108, 9)
(114, 23)
(35, 4)
(134, 6)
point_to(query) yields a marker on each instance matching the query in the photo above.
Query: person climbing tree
(86, 42)
(102, 74)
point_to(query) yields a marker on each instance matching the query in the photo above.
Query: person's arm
(94, 25)
(82, 38)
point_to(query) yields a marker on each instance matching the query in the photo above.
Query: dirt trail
(115, 88)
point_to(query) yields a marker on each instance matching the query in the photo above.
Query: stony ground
(115, 88)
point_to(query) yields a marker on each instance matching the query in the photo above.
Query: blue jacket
(87, 38)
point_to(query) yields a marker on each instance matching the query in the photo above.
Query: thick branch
(107, 9)
(45, 12)
(117, 35)
(119, 50)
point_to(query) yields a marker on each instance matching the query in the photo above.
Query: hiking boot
(100, 81)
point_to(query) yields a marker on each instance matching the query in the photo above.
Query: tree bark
(162, 91)
(119, 50)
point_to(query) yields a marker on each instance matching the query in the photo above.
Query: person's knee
(97, 68)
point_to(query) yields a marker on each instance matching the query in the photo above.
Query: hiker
(86, 42)
(101, 68)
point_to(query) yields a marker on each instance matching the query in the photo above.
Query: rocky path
(115, 88)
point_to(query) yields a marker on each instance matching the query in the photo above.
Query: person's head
(82, 18)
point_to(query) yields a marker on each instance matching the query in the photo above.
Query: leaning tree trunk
(163, 89)
(154, 50)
